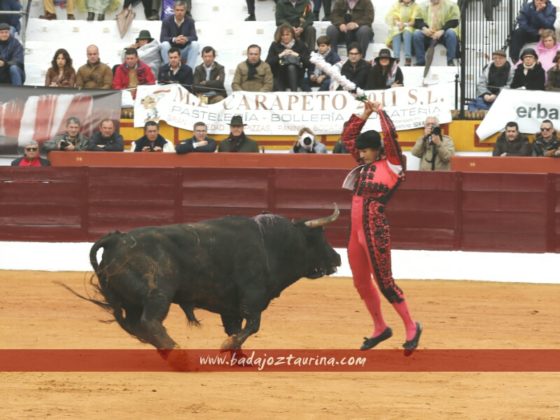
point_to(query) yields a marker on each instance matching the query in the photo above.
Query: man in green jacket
(298, 14)
(237, 140)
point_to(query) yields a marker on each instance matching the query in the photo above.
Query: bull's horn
(324, 220)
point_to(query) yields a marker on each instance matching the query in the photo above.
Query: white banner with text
(279, 113)
(526, 107)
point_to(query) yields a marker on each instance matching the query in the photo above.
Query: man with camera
(434, 149)
(71, 141)
(152, 141)
(307, 143)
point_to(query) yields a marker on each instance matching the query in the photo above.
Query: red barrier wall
(441, 211)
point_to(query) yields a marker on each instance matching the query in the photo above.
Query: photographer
(152, 141)
(307, 143)
(434, 149)
(71, 141)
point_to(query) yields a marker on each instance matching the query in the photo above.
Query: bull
(233, 266)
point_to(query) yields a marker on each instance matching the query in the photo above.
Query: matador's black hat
(369, 140)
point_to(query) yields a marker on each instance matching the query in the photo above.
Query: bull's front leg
(252, 325)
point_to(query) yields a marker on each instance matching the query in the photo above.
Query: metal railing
(486, 25)
(24, 13)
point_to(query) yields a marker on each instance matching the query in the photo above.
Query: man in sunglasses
(546, 143)
(31, 156)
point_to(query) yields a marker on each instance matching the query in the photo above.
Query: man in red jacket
(132, 73)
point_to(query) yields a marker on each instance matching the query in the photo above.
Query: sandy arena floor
(35, 313)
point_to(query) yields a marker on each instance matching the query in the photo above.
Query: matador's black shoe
(371, 342)
(410, 345)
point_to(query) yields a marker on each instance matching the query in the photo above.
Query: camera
(307, 142)
(64, 144)
(436, 131)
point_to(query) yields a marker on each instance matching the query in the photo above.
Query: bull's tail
(109, 300)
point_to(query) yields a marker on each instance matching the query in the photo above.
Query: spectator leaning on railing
(200, 142)
(494, 76)
(72, 140)
(106, 139)
(11, 58)
(434, 148)
(546, 143)
(512, 143)
(31, 156)
(152, 141)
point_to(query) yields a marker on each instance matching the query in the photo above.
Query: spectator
(253, 75)
(288, 58)
(318, 77)
(533, 18)
(355, 68)
(11, 58)
(209, 77)
(351, 22)
(106, 139)
(306, 142)
(12, 20)
(71, 141)
(50, 12)
(339, 147)
(151, 7)
(152, 141)
(132, 73)
(148, 50)
(94, 74)
(528, 74)
(61, 73)
(546, 143)
(31, 156)
(237, 140)
(494, 76)
(100, 7)
(179, 31)
(298, 14)
(437, 21)
(401, 18)
(326, 9)
(553, 75)
(175, 72)
(434, 148)
(547, 48)
(251, 10)
(199, 142)
(512, 142)
(385, 73)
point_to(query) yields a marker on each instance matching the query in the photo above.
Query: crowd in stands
(414, 29)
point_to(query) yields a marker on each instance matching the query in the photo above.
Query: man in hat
(529, 74)
(179, 31)
(385, 73)
(237, 140)
(11, 58)
(437, 21)
(533, 18)
(94, 74)
(148, 50)
(493, 77)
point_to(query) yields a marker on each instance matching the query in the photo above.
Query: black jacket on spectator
(184, 76)
(553, 78)
(277, 69)
(518, 147)
(540, 146)
(358, 74)
(115, 143)
(533, 80)
(377, 79)
(143, 142)
(186, 146)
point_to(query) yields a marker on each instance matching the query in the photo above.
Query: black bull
(232, 266)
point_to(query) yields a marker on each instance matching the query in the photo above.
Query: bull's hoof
(230, 343)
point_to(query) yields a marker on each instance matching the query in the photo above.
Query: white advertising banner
(526, 107)
(278, 113)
